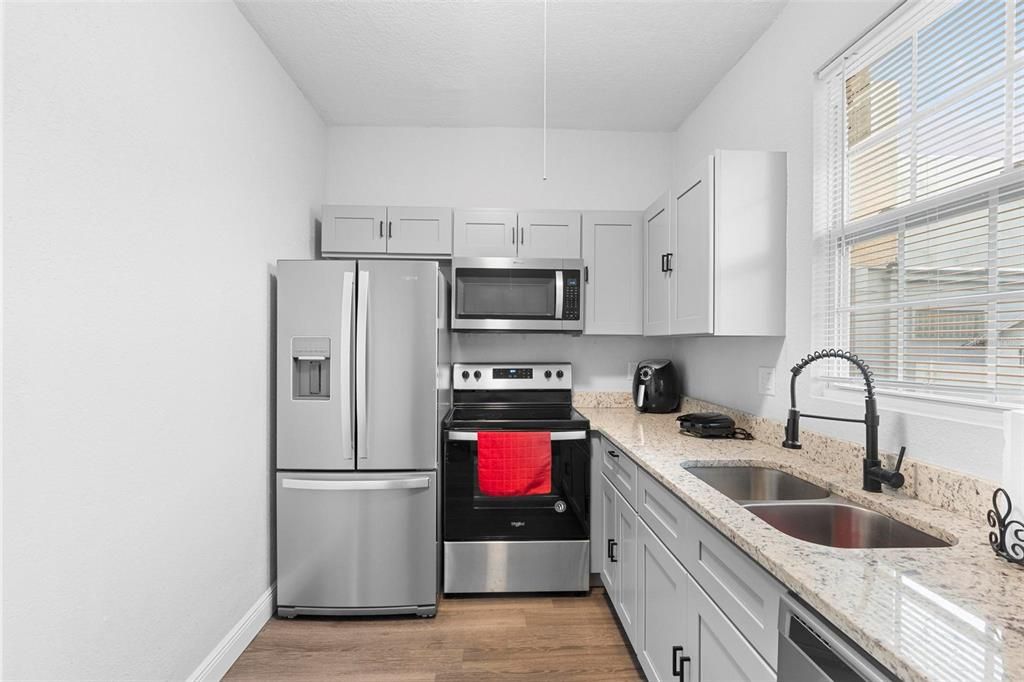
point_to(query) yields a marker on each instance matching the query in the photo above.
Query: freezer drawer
(350, 544)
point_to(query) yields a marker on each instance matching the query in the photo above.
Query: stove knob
(465, 374)
(547, 374)
(476, 375)
(559, 374)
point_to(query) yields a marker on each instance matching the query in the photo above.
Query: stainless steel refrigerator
(362, 361)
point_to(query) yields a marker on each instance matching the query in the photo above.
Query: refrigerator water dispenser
(311, 368)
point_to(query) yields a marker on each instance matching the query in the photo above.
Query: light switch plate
(766, 380)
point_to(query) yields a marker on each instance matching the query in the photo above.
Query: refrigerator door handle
(348, 433)
(383, 484)
(362, 339)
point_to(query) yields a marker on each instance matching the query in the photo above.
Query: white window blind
(920, 201)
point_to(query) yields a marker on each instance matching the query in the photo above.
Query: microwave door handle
(559, 294)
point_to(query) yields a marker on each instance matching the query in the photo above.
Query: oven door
(561, 515)
(499, 294)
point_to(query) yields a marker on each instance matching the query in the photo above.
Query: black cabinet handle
(678, 662)
(663, 262)
(612, 453)
(382, 229)
(389, 229)
(611, 551)
(668, 262)
(513, 235)
(586, 273)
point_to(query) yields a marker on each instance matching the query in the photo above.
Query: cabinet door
(662, 588)
(353, 229)
(690, 265)
(657, 292)
(718, 651)
(419, 230)
(750, 227)
(613, 256)
(609, 566)
(485, 232)
(549, 234)
(625, 552)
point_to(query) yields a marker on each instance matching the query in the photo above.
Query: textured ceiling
(611, 65)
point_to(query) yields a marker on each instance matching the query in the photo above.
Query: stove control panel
(540, 376)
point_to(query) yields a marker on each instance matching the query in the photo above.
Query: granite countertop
(949, 613)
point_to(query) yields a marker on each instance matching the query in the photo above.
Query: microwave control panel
(571, 296)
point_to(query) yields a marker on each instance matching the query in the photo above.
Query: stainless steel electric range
(515, 538)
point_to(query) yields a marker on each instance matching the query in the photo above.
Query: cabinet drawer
(665, 514)
(620, 470)
(744, 591)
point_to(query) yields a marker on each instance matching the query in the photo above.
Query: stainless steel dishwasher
(811, 650)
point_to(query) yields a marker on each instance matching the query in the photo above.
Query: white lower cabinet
(618, 572)
(609, 568)
(718, 651)
(626, 522)
(677, 630)
(660, 641)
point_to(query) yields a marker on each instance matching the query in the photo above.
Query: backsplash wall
(600, 363)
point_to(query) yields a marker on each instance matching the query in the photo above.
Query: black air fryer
(655, 387)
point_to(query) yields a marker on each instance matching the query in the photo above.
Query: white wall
(765, 102)
(501, 167)
(157, 162)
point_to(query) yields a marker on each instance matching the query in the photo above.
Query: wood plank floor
(472, 638)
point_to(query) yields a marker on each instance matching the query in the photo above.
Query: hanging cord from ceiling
(544, 170)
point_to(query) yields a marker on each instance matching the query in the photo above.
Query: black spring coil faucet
(874, 473)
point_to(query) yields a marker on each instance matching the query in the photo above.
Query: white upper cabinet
(485, 232)
(657, 285)
(419, 230)
(750, 243)
(613, 258)
(719, 267)
(353, 229)
(549, 234)
(691, 262)
(391, 230)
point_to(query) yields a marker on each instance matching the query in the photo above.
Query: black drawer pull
(611, 550)
(612, 453)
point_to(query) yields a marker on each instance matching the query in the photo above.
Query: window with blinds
(920, 223)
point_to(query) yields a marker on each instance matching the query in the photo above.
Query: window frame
(832, 133)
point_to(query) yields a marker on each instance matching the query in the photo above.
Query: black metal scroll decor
(1007, 536)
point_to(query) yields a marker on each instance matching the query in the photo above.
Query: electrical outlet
(766, 380)
(631, 368)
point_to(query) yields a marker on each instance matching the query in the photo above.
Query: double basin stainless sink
(809, 512)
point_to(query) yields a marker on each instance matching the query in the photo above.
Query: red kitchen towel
(513, 463)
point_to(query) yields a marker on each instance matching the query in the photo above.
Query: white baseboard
(227, 651)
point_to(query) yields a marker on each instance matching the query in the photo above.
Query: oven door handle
(471, 436)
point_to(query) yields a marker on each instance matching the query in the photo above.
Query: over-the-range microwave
(517, 294)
